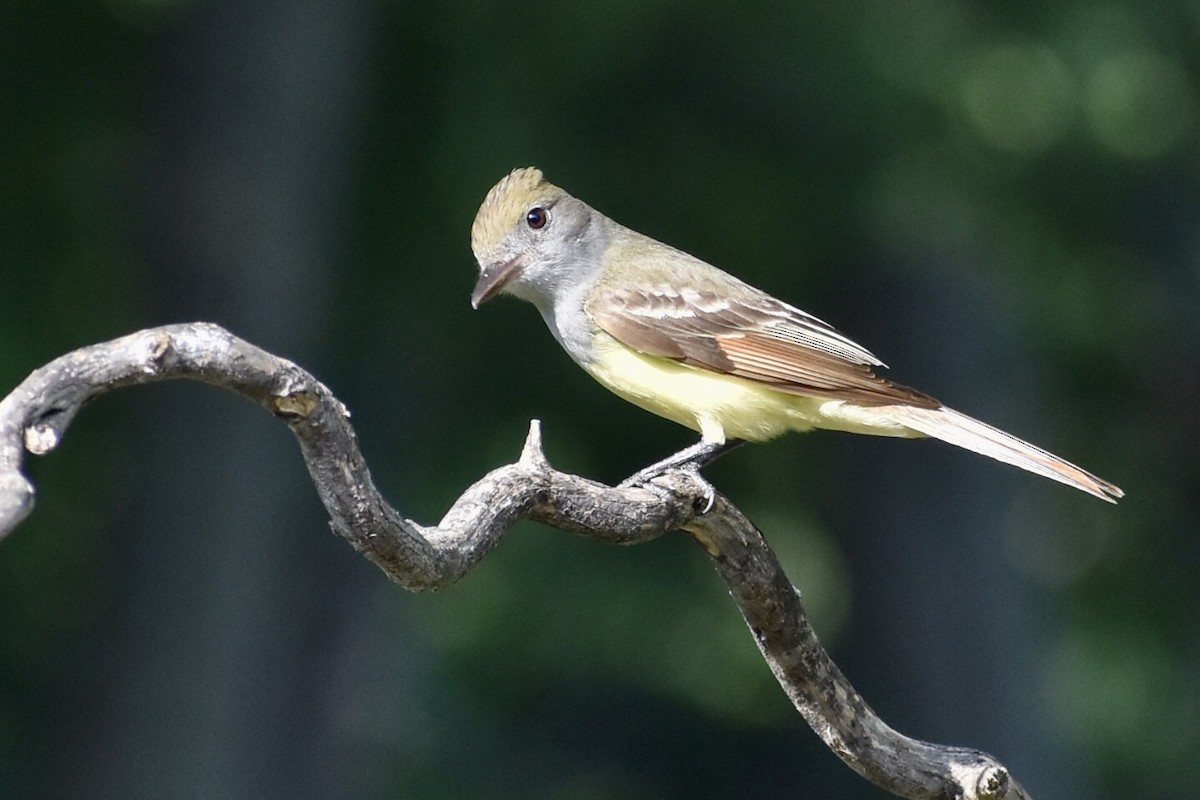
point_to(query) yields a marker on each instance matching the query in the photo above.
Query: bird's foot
(706, 495)
(690, 460)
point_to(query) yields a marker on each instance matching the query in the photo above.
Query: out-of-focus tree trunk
(219, 651)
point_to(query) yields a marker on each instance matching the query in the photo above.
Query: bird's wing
(751, 336)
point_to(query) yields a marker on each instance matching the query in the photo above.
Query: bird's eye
(537, 218)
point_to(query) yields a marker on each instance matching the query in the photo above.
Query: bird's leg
(689, 459)
(693, 458)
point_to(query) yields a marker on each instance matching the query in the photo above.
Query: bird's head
(532, 239)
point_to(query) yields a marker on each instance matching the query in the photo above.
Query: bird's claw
(644, 479)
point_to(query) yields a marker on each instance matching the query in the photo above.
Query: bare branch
(36, 414)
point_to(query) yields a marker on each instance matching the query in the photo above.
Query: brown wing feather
(798, 369)
(752, 338)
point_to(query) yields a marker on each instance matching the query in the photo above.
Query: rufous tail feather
(959, 429)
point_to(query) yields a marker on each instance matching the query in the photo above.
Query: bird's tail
(959, 429)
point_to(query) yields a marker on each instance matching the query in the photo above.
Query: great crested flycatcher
(679, 337)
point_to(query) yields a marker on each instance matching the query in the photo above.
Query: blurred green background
(1000, 199)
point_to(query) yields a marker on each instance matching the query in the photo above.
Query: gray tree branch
(36, 414)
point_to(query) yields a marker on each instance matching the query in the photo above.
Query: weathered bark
(36, 414)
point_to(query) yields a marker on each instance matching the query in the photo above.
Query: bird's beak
(494, 278)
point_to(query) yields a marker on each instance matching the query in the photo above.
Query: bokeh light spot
(1020, 99)
(1139, 104)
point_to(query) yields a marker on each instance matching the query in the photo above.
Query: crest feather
(503, 206)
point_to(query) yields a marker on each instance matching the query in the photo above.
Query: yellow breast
(720, 406)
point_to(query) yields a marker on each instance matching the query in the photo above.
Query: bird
(683, 339)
